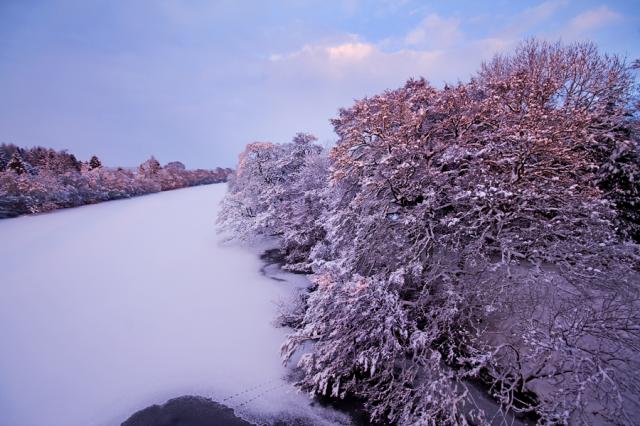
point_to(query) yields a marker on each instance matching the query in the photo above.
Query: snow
(109, 308)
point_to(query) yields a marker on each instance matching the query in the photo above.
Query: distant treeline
(34, 180)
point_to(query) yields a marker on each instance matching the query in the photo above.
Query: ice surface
(107, 309)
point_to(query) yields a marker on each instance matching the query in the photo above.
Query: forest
(35, 180)
(476, 240)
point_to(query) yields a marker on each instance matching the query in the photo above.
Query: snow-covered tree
(275, 192)
(150, 167)
(175, 165)
(474, 237)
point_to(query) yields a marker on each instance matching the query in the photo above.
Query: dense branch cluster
(478, 239)
(40, 179)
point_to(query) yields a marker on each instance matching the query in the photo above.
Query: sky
(197, 80)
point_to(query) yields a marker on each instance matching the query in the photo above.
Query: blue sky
(196, 80)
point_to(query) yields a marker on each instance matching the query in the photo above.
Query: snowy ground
(107, 309)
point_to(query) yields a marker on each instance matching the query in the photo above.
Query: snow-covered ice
(107, 309)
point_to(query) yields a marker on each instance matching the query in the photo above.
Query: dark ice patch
(186, 411)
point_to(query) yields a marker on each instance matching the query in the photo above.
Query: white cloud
(354, 60)
(435, 32)
(593, 19)
(347, 52)
(534, 16)
(351, 52)
(540, 13)
(362, 68)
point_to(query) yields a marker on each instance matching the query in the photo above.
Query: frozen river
(107, 309)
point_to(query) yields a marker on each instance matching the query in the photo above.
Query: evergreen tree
(6, 152)
(4, 161)
(94, 163)
(74, 164)
(17, 164)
